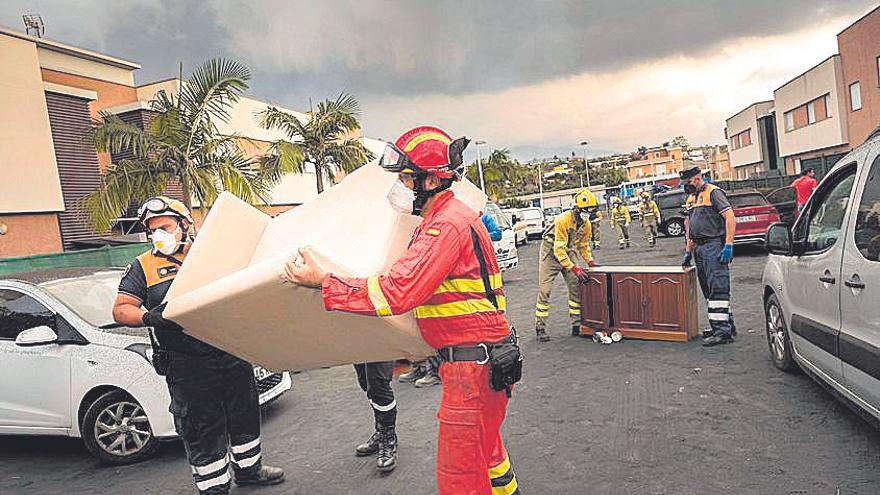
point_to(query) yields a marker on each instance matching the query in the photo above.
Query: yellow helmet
(160, 206)
(616, 200)
(646, 195)
(585, 199)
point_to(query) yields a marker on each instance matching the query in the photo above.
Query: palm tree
(325, 139)
(181, 144)
(500, 173)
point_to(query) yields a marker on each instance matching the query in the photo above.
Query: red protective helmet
(426, 149)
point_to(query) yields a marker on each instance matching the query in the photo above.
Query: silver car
(822, 283)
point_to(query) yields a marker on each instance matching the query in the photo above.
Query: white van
(822, 283)
(505, 249)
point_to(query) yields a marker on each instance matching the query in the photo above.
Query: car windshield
(531, 214)
(671, 201)
(91, 297)
(747, 200)
(501, 219)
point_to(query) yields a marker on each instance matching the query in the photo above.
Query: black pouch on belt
(505, 364)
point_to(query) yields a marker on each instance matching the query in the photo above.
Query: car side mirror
(40, 335)
(779, 240)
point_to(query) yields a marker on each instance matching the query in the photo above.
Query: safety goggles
(395, 160)
(154, 205)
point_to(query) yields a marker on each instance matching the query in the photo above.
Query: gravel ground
(631, 418)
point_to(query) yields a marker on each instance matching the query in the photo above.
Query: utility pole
(541, 183)
(584, 143)
(480, 165)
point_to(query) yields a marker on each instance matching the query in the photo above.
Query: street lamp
(480, 164)
(541, 182)
(584, 143)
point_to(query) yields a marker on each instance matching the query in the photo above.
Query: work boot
(368, 448)
(387, 458)
(575, 330)
(267, 475)
(716, 340)
(598, 247)
(415, 372)
(429, 380)
(622, 246)
(542, 335)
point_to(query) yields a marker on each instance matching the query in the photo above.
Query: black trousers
(375, 380)
(216, 412)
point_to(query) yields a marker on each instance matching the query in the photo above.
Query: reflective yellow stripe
(573, 304)
(377, 297)
(501, 469)
(459, 308)
(468, 284)
(425, 137)
(542, 314)
(542, 306)
(508, 489)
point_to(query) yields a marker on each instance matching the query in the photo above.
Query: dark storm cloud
(379, 47)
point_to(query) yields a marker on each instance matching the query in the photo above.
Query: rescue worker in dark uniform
(710, 227)
(213, 394)
(375, 380)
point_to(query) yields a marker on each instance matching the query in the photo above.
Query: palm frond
(113, 135)
(124, 182)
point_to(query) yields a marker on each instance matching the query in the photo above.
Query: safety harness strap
(484, 272)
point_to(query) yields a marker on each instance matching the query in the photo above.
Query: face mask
(165, 242)
(401, 198)
(690, 188)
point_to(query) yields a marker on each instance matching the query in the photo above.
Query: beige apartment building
(658, 161)
(810, 122)
(750, 149)
(49, 94)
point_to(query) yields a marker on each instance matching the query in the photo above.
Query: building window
(661, 169)
(747, 137)
(811, 113)
(789, 121)
(827, 106)
(878, 71)
(855, 96)
(741, 140)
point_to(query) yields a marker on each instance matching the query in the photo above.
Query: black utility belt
(707, 240)
(478, 354)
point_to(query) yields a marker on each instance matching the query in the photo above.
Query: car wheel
(777, 335)
(116, 430)
(674, 228)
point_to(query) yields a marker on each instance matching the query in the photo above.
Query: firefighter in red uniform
(450, 278)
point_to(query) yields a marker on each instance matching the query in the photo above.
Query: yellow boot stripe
(501, 469)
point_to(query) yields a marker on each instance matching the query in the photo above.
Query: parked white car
(68, 369)
(533, 217)
(822, 283)
(519, 228)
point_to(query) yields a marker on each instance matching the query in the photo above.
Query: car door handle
(854, 284)
(828, 279)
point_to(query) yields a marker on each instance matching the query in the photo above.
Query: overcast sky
(516, 73)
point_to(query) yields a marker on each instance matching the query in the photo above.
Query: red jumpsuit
(438, 278)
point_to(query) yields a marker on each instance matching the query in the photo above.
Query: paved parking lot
(630, 418)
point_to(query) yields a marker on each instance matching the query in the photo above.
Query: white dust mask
(401, 198)
(165, 242)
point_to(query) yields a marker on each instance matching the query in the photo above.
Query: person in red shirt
(449, 278)
(804, 187)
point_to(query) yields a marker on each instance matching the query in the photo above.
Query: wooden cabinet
(642, 302)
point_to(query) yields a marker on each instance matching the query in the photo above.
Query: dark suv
(671, 205)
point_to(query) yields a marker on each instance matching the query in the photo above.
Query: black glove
(153, 318)
(688, 256)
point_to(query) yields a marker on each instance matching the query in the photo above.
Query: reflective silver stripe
(220, 480)
(240, 449)
(250, 461)
(210, 468)
(384, 408)
(719, 316)
(719, 304)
